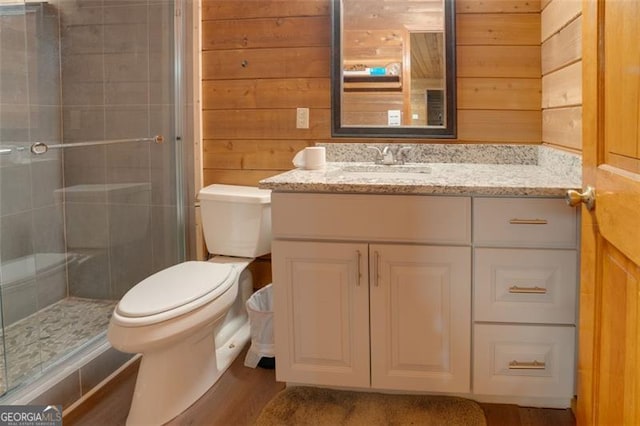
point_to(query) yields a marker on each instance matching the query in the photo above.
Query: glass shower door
(83, 222)
(32, 255)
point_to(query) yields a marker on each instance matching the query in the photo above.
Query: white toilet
(189, 321)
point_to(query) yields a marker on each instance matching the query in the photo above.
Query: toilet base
(171, 380)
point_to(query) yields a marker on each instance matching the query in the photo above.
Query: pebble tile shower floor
(37, 341)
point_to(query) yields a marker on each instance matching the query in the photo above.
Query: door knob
(588, 197)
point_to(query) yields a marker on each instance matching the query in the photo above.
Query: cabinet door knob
(588, 197)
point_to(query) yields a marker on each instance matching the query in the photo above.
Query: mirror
(393, 68)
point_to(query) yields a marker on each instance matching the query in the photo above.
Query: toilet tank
(236, 220)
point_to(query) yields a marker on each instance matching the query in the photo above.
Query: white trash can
(260, 310)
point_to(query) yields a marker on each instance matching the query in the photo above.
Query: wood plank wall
(262, 59)
(561, 37)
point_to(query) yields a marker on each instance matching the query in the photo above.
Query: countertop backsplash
(540, 155)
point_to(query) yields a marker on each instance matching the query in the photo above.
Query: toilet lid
(176, 286)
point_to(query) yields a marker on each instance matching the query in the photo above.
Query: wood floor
(237, 398)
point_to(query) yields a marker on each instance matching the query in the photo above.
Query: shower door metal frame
(179, 119)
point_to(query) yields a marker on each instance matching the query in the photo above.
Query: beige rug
(313, 406)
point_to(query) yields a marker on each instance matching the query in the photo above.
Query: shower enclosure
(101, 209)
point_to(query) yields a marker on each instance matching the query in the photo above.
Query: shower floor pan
(39, 340)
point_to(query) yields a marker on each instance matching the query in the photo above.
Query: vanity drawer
(525, 285)
(524, 222)
(397, 218)
(524, 360)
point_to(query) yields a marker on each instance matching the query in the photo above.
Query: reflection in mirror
(393, 70)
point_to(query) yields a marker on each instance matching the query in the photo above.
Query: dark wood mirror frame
(338, 129)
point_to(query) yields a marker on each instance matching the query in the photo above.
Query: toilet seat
(174, 291)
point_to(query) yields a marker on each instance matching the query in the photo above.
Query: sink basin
(379, 171)
(384, 170)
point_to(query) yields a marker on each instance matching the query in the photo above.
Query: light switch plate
(302, 118)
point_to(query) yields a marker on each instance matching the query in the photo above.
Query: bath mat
(314, 406)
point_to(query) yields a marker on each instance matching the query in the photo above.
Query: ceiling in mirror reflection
(427, 55)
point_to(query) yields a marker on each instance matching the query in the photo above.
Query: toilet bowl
(189, 321)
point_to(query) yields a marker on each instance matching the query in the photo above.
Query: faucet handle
(379, 153)
(401, 156)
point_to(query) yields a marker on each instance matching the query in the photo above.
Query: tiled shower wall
(31, 217)
(117, 80)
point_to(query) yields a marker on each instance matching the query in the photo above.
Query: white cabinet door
(321, 313)
(420, 317)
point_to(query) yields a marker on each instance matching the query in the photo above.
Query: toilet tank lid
(175, 287)
(235, 193)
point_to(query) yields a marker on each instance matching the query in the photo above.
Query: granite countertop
(492, 170)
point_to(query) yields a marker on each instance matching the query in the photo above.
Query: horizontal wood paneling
(498, 71)
(557, 14)
(499, 93)
(236, 154)
(498, 61)
(563, 48)
(236, 177)
(290, 32)
(262, 59)
(266, 63)
(248, 9)
(498, 6)
(264, 124)
(561, 66)
(499, 29)
(563, 87)
(271, 93)
(500, 126)
(563, 127)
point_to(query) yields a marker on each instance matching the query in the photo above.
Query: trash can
(260, 310)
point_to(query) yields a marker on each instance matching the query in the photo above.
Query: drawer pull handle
(528, 221)
(534, 365)
(359, 277)
(527, 290)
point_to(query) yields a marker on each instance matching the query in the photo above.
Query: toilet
(189, 321)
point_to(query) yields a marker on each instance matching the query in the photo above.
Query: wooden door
(321, 313)
(609, 354)
(420, 317)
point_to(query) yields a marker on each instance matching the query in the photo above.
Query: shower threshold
(39, 341)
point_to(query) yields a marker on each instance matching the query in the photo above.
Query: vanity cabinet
(525, 297)
(375, 291)
(358, 305)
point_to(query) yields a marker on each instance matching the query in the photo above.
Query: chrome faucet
(391, 154)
